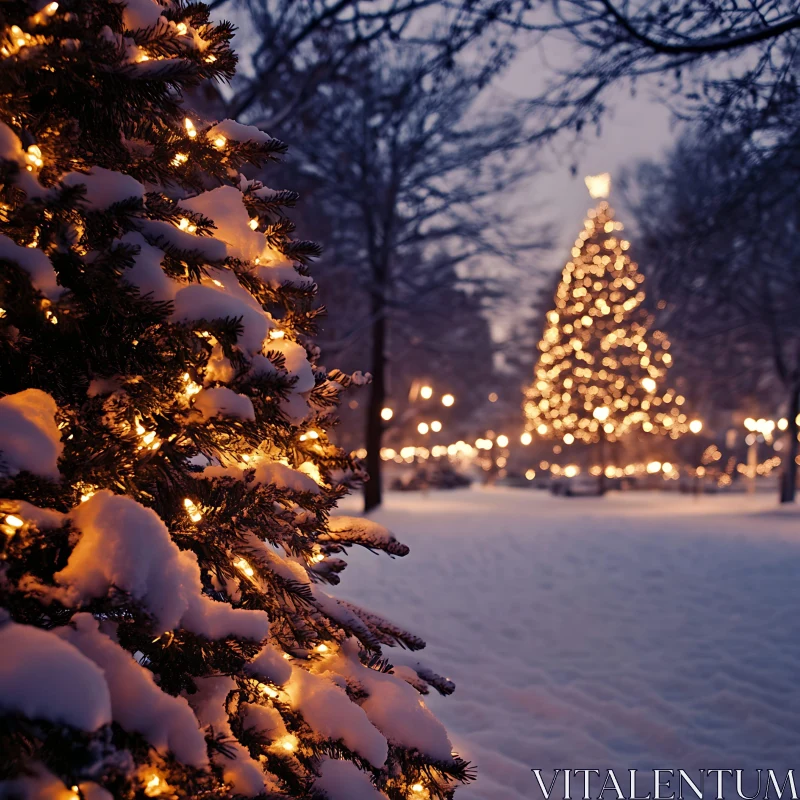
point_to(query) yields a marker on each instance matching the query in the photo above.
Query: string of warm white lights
(601, 369)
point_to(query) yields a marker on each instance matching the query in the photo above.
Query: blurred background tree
(717, 228)
(355, 77)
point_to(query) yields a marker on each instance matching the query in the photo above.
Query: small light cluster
(33, 155)
(244, 566)
(457, 450)
(154, 786)
(147, 438)
(11, 524)
(191, 388)
(187, 225)
(16, 39)
(192, 510)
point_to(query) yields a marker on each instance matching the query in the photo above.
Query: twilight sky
(634, 129)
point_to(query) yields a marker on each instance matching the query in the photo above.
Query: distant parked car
(435, 477)
(579, 486)
(516, 481)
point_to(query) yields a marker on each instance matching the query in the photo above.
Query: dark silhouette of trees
(717, 235)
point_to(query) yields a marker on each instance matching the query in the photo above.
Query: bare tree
(410, 178)
(731, 60)
(716, 234)
(304, 45)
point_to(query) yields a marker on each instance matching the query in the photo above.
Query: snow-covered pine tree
(164, 464)
(602, 369)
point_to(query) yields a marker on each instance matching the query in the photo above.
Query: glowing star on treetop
(599, 186)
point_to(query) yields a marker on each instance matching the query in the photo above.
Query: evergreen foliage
(164, 465)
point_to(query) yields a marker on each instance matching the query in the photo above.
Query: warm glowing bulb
(422, 427)
(242, 565)
(436, 426)
(526, 438)
(568, 438)
(153, 787)
(695, 426)
(269, 692)
(14, 521)
(530, 474)
(502, 440)
(648, 384)
(417, 787)
(183, 224)
(322, 648)
(51, 9)
(276, 333)
(34, 156)
(253, 224)
(750, 424)
(192, 510)
(387, 414)
(541, 429)
(220, 142)
(182, 28)
(426, 392)
(190, 129)
(448, 400)
(601, 413)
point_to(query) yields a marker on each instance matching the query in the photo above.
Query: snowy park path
(641, 630)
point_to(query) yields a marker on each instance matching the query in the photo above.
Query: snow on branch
(29, 437)
(384, 631)
(36, 264)
(347, 531)
(137, 703)
(125, 545)
(47, 678)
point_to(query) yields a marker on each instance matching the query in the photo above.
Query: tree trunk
(601, 450)
(789, 474)
(373, 493)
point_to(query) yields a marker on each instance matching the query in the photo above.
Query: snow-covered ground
(640, 630)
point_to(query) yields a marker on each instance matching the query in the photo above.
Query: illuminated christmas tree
(165, 472)
(601, 368)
